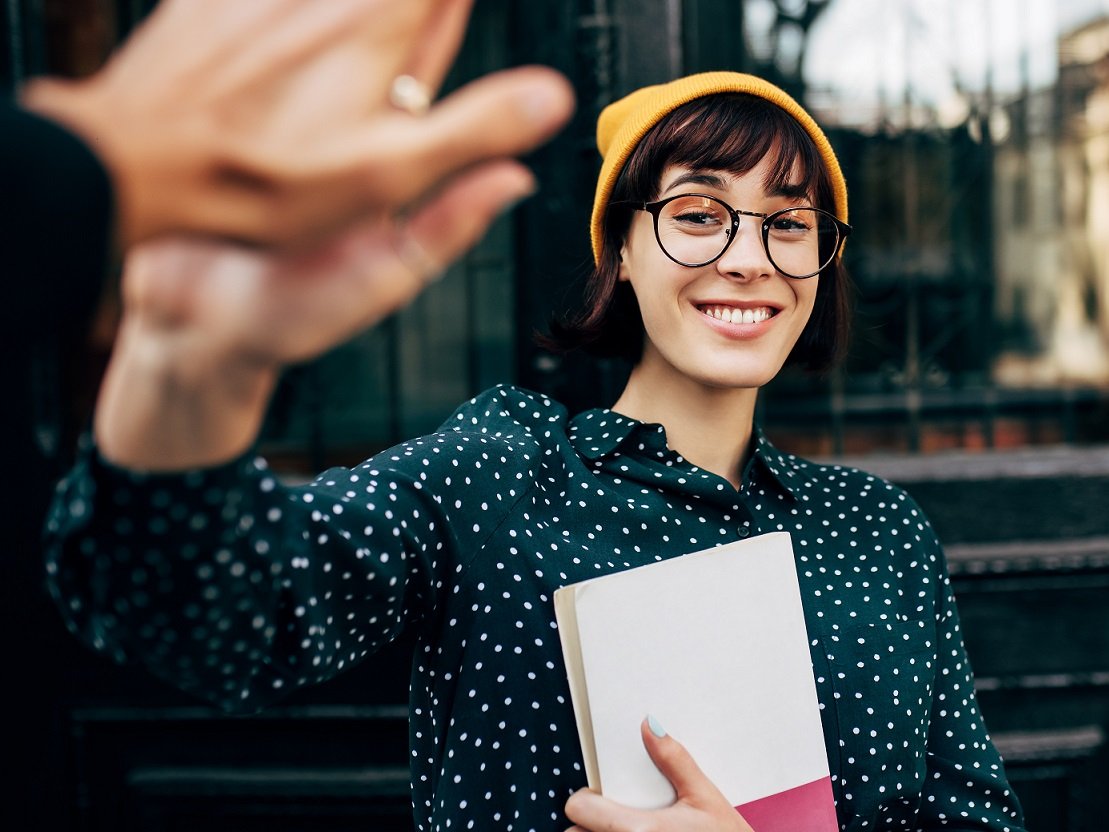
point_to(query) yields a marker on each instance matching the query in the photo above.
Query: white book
(714, 645)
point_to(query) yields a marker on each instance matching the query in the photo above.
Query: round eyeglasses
(696, 229)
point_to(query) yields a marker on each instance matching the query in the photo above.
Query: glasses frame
(655, 209)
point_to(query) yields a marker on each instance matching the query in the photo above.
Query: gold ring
(410, 94)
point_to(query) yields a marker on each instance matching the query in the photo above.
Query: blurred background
(974, 135)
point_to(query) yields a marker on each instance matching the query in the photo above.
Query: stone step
(1036, 494)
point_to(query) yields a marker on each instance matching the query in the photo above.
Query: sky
(863, 53)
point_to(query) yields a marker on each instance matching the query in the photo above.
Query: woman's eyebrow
(797, 191)
(712, 180)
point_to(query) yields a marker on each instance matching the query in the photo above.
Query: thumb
(676, 763)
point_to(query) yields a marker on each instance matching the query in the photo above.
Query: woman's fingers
(502, 115)
(455, 219)
(388, 30)
(439, 43)
(589, 811)
(700, 805)
(316, 299)
(393, 162)
(286, 138)
(280, 308)
(422, 246)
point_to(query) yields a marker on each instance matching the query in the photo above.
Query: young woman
(717, 228)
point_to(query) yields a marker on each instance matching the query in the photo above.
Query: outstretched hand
(298, 201)
(207, 325)
(270, 122)
(201, 298)
(700, 807)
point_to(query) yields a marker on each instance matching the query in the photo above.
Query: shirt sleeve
(55, 225)
(233, 586)
(965, 785)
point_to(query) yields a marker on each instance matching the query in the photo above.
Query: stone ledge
(1024, 463)
(1052, 745)
(1065, 554)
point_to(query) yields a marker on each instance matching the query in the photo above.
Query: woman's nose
(746, 257)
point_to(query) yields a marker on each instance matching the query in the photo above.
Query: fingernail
(525, 192)
(655, 726)
(546, 101)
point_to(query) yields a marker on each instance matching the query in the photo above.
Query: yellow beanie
(625, 122)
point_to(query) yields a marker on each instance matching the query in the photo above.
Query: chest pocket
(881, 679)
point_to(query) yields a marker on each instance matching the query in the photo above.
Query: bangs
(731, 132)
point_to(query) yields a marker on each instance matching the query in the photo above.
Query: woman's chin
(731, 371)
(733, 378)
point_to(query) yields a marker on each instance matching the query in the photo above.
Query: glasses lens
(801, 241)
(694, 229)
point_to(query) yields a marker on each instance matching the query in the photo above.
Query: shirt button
(744, 531)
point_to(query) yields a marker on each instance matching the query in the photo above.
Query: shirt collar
(601, 432)
(787, 470)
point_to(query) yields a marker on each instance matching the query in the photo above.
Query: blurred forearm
(163, 407)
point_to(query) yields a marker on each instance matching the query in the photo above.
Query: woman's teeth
(734, 315)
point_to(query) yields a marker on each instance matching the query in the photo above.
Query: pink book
(714, 645)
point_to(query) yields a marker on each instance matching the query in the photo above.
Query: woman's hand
(208, 325)
(269, 122)
(700, 807)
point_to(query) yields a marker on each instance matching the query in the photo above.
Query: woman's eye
(697, 218)
(797, 223)
(790, 225)
(695, 215)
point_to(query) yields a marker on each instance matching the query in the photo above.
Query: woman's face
(732, 323)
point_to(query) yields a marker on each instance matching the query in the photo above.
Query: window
(975, 140)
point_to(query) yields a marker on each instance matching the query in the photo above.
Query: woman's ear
(622, 275)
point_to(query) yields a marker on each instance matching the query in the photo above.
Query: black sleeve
(56, 211)
(56, 214)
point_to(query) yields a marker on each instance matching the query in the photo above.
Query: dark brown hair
(729, 132)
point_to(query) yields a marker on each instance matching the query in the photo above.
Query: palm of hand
(224, 299)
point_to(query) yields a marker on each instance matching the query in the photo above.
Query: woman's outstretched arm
(207, 326)
(173, 546)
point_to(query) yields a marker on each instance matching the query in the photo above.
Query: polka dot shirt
(239, 588)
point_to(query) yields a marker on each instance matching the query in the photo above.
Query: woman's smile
(738, 319)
